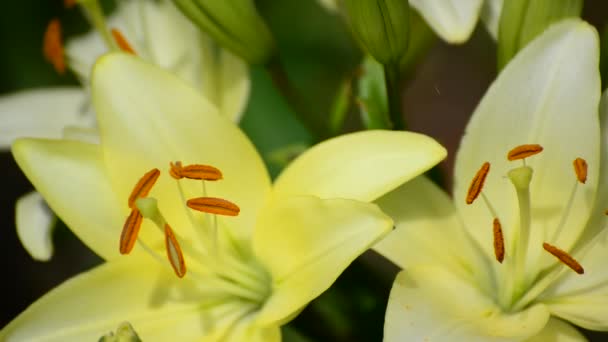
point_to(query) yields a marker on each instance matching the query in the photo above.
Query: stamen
(499, 241)
(524, 151)
(477, 183)
(564, 258)
(580, 168)
(122, 42)
(195, 171)
(174, 252)
(143, 186)
(52, 47)
(130, 231)
(69, 3)
(213, 205)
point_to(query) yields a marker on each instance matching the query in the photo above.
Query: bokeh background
(441, 94)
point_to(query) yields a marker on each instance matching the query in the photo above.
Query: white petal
(41, 113)
(549, 95)
(558, 331)
(431, 304)
(427, 230)
(452, 20)
(35, 221)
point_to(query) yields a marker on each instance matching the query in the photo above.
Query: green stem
(95, 14)
(393, 92)
(297, 103)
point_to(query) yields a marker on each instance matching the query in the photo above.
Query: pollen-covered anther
(213, 205)
(499, 241)
(174, 252)
(195, 171)
(580, 168)
(130, 230)
(122, 42)
(52, 47)
(524, 151)
(143, 186)
(477, 183)
(564, 257)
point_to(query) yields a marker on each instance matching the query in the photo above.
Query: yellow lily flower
(202, 275)
(149, 28)
(527, 255)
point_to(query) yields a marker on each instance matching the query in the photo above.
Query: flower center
(516, 279)
(220, 264)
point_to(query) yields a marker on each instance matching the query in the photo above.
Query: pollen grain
(52, 47)
(524, 151)
(213, 205)
(499, 241)
(143, 186)
(130, 231)
(580, 168)
(122, 42)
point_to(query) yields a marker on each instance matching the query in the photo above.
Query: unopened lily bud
(522, 20)
(235, 24)
(381, 26)
(124, 333)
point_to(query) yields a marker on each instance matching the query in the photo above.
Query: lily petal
(428, 229)
(94, 303)
(35, 221)
(583, 299)
(558, 331)
(361, 166)
(306, 242)
(428, 303)
(70, 176)
(556, 109)
(452, 20)
(164, 120)
(41, 113)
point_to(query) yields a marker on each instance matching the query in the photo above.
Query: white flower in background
(452, 20)
(526, 256)
(156, 31)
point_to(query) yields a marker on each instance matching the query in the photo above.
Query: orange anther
(477, 182)
(122, 42)
(195, 171)
(69, 3)
(499, 241)
(130, 230)
(564, 258)
(143, 186)
(580, 168)
(52, 46)
(174, 252)
(524, 151)
(213, 205)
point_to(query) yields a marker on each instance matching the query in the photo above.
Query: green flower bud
(381, 26)
(522, 20)
(234, 24)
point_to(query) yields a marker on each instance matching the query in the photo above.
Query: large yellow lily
(243, 276)
(528, 254)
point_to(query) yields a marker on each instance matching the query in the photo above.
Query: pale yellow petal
(558, 331)
(86, 307)
(34, 223)
(305, 243)
(148, 118)
(452, 20)
(71, 177)
(428, 230)
(548, 95)
(41, 113)
(361, 166)
(432, 304)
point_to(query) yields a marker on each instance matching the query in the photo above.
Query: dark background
(318, 51)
